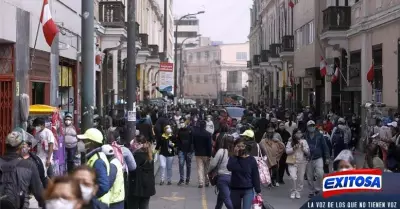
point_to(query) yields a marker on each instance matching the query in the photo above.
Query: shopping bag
(257, 202)
(265, 177)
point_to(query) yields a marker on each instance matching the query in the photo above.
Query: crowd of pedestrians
(235, 156)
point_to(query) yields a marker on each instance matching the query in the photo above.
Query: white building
(188, 31)
(210, 72)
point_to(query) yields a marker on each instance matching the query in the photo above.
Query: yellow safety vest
(106, 197)
(117, 191)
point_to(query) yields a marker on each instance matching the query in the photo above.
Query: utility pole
(87, 64)
(166, 30)
(131, 72)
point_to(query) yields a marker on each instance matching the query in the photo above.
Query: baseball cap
(107, 149)
(14, 139)
(248, 133)
(393, 124)
(92, 134)
(310, 123)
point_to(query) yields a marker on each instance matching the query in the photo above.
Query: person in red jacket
(327, 126)
(225, 120)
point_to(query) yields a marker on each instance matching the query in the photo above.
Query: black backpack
(338, 137)
(11, 194)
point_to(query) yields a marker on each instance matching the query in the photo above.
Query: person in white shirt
(45, 145)
(209, 124)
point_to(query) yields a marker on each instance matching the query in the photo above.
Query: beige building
(211, 71)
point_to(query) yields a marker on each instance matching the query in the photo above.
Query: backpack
(338, 137)
(118, 153)
(11, 194)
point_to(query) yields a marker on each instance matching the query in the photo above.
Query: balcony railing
(336, 18)
(287, 43)
(154, 50)
(248, 64)
(274, 50)
(112, 14)
(264, 55)
(144, 38)
(256, 60)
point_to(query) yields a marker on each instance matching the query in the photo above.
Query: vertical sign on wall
(166, 75)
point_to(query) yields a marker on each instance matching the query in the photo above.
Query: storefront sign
(308, 83)
(166, 75)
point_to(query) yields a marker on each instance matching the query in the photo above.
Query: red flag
(50, 29)
(335, 76)
(371, 73)
(322, 67)
(291, 4)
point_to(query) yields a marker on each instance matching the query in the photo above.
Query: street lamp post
(181, 74)
(176, 52)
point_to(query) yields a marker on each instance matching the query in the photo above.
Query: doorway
(38, 93)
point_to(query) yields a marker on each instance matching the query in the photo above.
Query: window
(305, 34)
(241, 56)
(205, 78)
(198, 55)
(233, 77)
(215, 56)
(207, 55)
(198, 79)
(182, 34)
(298, 38)
(190, 78)
(186, 22)
(311, 32)
(190, 57)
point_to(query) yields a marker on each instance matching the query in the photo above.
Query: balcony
(336, 18)
(154, 50)
(274, 50)
(256, 60)
(249, 64)
(144, 39)
(264, 55)
(287, 43)
(112, 14)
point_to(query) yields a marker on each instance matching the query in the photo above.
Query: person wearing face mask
(285, 135)
(273, 148)
(209, 124)
(341, 137)
(297, 149)
(202, 148)
(166, 146)
(70, 141)
(28, 179)
(45, 145)
(185, 151)
(97, 160)
(318, 152)
(63, 192)
(86, 177)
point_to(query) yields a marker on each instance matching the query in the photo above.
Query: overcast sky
(223, 20)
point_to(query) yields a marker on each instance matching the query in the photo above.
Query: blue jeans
(224, 193)
(118, 205)
(166, 165)
(185, 157)
(246, 196)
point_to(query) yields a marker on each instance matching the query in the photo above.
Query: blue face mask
(311, 129)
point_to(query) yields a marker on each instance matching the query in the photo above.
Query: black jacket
(38, 162)
(145, 129)
(184, 140)
(285, 135)
(202, 142)
(142, 183)
(166, 146)
(29, 179)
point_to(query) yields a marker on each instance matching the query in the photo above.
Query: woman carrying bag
(218, 173)
(297, 150)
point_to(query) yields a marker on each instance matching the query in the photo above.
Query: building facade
(188, 31)
(210, 72)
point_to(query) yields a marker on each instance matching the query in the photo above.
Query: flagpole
(34, 45)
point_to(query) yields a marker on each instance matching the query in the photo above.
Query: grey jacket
(222, 167)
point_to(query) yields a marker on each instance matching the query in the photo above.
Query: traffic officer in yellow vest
(93, 140)
(117, 191)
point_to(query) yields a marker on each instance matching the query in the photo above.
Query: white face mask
(68, 122)
(195, 119)
(182, 125)
(38, 128)
(345, 169)
(87, 192)
(60, 203)
(208, 119)
(168, 130)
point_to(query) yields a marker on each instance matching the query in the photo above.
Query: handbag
(213, 175)
(291, 159)
(265, 177)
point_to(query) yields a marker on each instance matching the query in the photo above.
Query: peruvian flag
(322, 67)
(50, 29)
(371, 73)
(291, 4)
(335, 76)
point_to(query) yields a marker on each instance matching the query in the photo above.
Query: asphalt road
(191, 197)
